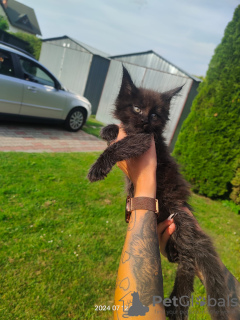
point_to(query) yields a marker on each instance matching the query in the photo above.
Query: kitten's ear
(127, 87)
(168, 95)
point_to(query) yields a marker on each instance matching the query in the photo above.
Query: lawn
(61, 238)
(93, 126)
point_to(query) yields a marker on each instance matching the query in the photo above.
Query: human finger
(164, 237)
(121, 134)
(163, 225)
(123, 166)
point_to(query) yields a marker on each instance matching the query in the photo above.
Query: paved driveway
(44, 138)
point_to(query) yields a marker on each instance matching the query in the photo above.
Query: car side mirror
(57, 86)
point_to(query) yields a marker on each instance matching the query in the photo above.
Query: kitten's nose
(145, 124)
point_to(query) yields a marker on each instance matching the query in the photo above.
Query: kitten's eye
(137, 110)
(154, 116)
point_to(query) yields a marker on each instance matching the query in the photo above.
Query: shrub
(209, 141)
(235, 195)
(34, 43)
(3, 24)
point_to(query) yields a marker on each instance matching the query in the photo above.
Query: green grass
(61, 238)
(93, 126)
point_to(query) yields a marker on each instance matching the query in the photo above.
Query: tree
(3, 24)
(209, 142)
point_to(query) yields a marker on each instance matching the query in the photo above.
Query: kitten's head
(142, 110)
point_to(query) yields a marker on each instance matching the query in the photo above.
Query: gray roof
(141, 61)
(21, 16)
(91, 49)
(151, 52)
(83, 45)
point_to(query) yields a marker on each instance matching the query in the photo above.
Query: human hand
(141, 170)
(164, 230)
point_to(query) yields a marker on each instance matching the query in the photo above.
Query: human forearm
(146, 188)
(140, 268)
(139, 275)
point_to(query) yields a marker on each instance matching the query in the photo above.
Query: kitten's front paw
(110, 132)
(97, 172)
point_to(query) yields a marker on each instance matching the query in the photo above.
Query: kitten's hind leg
(129, 147)
(181, 248)
(110, 132)
(193, 249)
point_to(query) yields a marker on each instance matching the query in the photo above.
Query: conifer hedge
(235, 195)
(209, 142)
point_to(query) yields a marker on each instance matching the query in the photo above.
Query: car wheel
(75, 120)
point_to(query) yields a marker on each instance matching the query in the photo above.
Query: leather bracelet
(140, 203)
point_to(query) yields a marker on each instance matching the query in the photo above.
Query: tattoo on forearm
(125, 284)
(125, 257)
(132, 222)
(145, 260)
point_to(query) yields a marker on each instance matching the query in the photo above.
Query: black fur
(144, 112)
(109, 133)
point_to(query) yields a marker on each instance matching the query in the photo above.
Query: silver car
(30, 92)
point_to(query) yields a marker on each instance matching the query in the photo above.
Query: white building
(21, 18)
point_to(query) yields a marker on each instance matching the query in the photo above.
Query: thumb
(123, 166)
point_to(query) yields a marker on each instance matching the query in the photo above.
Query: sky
(185, 32)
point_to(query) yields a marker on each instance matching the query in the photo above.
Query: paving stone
(34, 139)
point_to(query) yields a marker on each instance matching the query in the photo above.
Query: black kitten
(142, 113)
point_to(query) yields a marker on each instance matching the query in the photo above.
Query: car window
(6, 64)
(33, 72)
